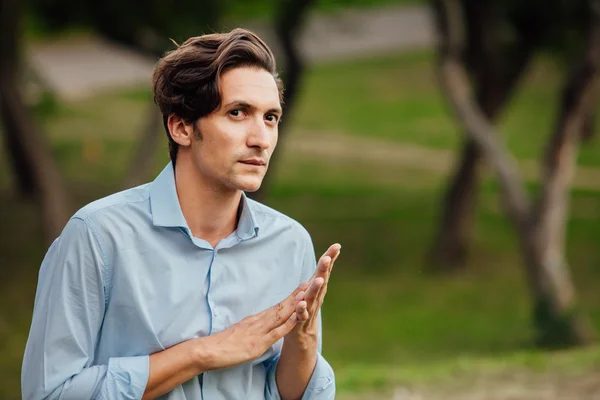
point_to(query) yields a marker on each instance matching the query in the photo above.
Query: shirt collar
(247, 227)
(166, 210)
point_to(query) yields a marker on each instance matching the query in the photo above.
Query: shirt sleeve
(321, 385)
(68, 312)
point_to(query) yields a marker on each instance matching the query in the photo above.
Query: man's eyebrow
(245, 104)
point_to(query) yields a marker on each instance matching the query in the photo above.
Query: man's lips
(254, 161)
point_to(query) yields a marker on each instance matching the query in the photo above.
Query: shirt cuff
(322, 382)
(321, 385)
(126, 378)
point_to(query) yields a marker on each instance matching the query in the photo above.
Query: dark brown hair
(186, 80)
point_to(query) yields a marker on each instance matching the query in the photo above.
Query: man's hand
(307, 310)
(299, 354)
(252, 336)
(242, 342)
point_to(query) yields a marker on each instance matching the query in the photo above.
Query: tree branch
(16, 116)
(576, 105)
(456, 85)
(289, 20)
(141, 162)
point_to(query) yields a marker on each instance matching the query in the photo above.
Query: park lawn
(397, 98)
(388, 320)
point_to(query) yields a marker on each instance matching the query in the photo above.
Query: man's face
(238, 139)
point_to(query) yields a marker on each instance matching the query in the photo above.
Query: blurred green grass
(404, 88)
(387, 319)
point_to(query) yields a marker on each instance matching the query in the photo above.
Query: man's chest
(164, 298)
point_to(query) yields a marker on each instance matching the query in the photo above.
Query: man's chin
(250, 186)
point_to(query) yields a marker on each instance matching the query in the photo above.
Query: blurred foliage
(45, 105)
(147, 21)
(146, 25)
(264, 9)
(560, 25)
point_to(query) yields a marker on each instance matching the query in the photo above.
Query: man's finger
(320, 297)
(333, 251)
(328, 263)
(323, 266)
(302, 287)
(280, 312)
(323, 288)
(313, 290)
(293, 298)
(327, 260)
(302, 311)
(337, 249)
(282, 330)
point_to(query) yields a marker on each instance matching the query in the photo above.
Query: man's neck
(210, 213)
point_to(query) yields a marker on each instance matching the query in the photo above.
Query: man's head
(220, 97)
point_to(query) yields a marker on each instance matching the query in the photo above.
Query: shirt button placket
(213, 308)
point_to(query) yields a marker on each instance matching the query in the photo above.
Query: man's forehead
(250, 85)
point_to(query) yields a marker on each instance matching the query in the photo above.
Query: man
(185, 288)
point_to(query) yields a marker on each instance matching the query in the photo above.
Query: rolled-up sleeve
(68, 312)
(320, 387)
(322, 382)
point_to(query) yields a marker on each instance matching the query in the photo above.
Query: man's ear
(181, 132)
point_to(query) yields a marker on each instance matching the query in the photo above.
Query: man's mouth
(254, 161)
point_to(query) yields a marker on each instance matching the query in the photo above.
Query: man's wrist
(296, 364)
(204, 356)
(302, 340)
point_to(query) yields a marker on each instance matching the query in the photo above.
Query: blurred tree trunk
(589, 126)
(540, 230)
(21, 170)
(494, 80)
(146, 31)
(21, 131)
(557, 294)
(289, 22)
(141, 162)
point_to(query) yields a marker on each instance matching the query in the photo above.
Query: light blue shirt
(126, 279)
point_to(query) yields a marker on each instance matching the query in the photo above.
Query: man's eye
(271, 117)
(235, 113)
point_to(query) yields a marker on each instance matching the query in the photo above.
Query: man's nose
(259, 135)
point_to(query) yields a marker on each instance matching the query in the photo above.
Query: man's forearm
(176, 365)
(296, 365)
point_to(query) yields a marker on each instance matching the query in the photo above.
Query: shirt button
(215, 313)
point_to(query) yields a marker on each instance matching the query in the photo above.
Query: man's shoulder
(114, 203)
(269, 216)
